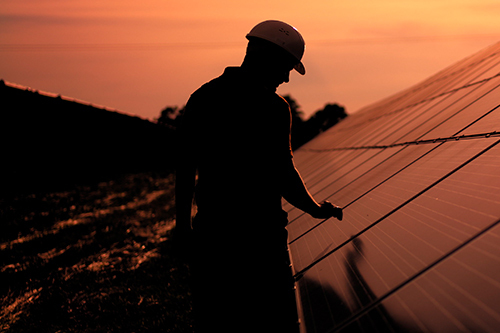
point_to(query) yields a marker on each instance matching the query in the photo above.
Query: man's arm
(185, 173)
(296, 193)
(185, 180)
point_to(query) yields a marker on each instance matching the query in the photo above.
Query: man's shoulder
(208, 88)
(223, 80)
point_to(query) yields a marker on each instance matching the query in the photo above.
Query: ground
(94, 258)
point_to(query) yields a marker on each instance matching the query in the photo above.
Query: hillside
(49, 141)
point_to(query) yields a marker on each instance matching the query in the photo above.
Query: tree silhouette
(169, 116)
(303, 131)
(326, 118)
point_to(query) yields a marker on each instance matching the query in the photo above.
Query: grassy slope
(93, 259)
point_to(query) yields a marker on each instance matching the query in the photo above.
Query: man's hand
(327, 210)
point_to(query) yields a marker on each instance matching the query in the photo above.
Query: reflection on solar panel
(418, 177)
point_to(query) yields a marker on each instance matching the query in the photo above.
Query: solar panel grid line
(300, 273)
(386, 124)
(468, 82)
(357, 283)
(403, 122)
(324, 299)
(312, 185)
(311, 181)
(293, 231)
(451, 300)
(451, 297)
(472, 82)
(416, 323)
(338, 190)
(457, 324)
(451, 91)
(434, 87)
(429, 109)
(389, 259)
(460, 66)
(326, 319)
(468, 110)
(441, 122)
(445, 74)
(496, 158)
(437, 106)
(493, 254)
(431, 152)
(359, 251)
(350, 293)
(371, 169)
(421, 142)
(380, 109)
(437, 161)
(492, 123)
(312, 163)
(304, 157)
(356, 160)
(313, 174)
(391, 173)
(337, 133)
(490, 73)
(395, 289)
(447, 88)
(421, 118)
(463, 92)
(416, 320)
(321, 243)
(369, 120)
(341, 139)
(430, 118)
(490, 69)
(464, 310)
(350, 273)
(471, 75)
(310, 168)
(325, 140)
(419, 324)
(403, 261)
(423, 240)
(490, 280)
(439, 88)
(436, 223)
(397, 101)
(338, 281)
(485, 198)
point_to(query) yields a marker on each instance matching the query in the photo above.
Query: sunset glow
(139, 57)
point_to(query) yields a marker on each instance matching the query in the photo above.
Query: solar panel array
(418, 176)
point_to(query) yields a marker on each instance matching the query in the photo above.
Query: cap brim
(300, 68)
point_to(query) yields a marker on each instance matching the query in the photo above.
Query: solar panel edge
(414, 277)
(482, 58)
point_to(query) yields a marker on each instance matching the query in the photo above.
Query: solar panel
(417, 176)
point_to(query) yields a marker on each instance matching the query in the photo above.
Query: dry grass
(93, 259)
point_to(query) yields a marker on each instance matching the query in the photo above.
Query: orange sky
(140, 56)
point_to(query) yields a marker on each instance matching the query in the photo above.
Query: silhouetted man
(236, 160)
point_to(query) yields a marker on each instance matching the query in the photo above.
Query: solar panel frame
(383, 270)
(416, 171)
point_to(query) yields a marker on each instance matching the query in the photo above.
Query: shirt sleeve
(186, 133)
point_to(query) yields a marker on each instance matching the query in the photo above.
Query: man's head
(274, 49)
